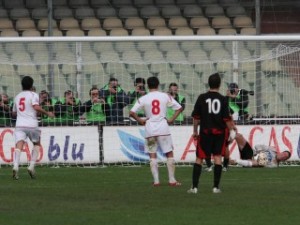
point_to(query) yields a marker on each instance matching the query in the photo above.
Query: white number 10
(214, 106)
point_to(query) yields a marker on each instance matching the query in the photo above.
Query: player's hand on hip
(195, 136)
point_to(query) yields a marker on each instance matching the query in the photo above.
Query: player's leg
(166, 145)
(151, 147)
(20, 137)
(34, 136)
(226, 160)
(217, 173)
(208, 162)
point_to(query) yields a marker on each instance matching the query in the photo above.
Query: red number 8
(155, 107)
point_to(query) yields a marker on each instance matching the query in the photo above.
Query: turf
(124, 195)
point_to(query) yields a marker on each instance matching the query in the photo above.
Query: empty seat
(111, 23)
(128, 11)
(39, 13)
(118, 32)
(189, 45)
(176, 22)
(99, 3)
(68, 23)
(43, 24)
(25, 24)
(78, 3)
(32, 4)
(184, 3)
(248, 31)
(227, 31)
(214, 10)
(156, 22)
(3, 13)
(100, 47)
(170, 11)
(204, 3)
(106, 12)
(18, 13)
(90, 23)
(149, 11)
(96, 32)
(60, 13)
(9, 4)
(206, 31)
(166, 46)
(122, 46)
(197, 22)
(228, 3)
(59, 3)
(34, 47)
(140, 31)
(6, 23)
(144, 46)
(242, 21)
(184, 31)
(85, 12)
(55, 33)
(162, 31)
(219, 54)
(75, 32)
(121, 3)
(221, 22)
(234, 11)
(196, 55)
(192, 11)
(142, 3)
(31, 33)
(134, 22)
(165, 3)
(9, 33)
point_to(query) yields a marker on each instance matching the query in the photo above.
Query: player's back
(23, 105)
(155, 105)
(212, 109)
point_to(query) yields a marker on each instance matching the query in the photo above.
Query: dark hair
(173, 84)
(233, 86)
(92, 89)
(68, 92)
(288, 153)
(152, 82)
(27, 83)
(214, 81)
(113, 79)
(139, 80)
(45, 92)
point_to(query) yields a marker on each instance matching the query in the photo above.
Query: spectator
(238, 101)
(47, 104)
(67, 109)
(94, 108)
(5, 111)
(116, 99)
(138, 92)
(173, 91)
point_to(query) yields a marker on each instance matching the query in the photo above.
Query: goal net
(265, 66)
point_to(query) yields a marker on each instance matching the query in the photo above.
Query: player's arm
(177, 112)
(137, 118)
(196, 122)
(42, 111)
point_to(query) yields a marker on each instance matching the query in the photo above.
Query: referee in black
(212, 114)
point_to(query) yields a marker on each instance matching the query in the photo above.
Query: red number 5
(22, 104)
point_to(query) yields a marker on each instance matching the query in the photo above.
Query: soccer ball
(262, 159)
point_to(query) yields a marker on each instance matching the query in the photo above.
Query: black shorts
(246, 152)
(211, 144)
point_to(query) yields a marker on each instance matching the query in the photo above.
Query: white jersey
(155, 105)
(270, 153)
(23, 105)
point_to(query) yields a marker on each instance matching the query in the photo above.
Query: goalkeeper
(260, 155)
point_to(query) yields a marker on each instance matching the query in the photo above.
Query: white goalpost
(266, 65)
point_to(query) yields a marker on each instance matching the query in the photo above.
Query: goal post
(266, 65)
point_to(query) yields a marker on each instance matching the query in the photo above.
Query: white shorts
(22, 133)
(163, 142)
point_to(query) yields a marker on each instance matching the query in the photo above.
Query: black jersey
(212, 110)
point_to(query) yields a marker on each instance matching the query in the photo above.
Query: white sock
(34, 156)
(171, 170)
(154, 170)
(246, 163)
(17, 155)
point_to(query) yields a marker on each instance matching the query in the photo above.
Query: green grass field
(124, 195)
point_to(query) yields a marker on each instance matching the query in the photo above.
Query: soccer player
(266, 156)
(25, 108)
(212, 113)
(157, 131)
